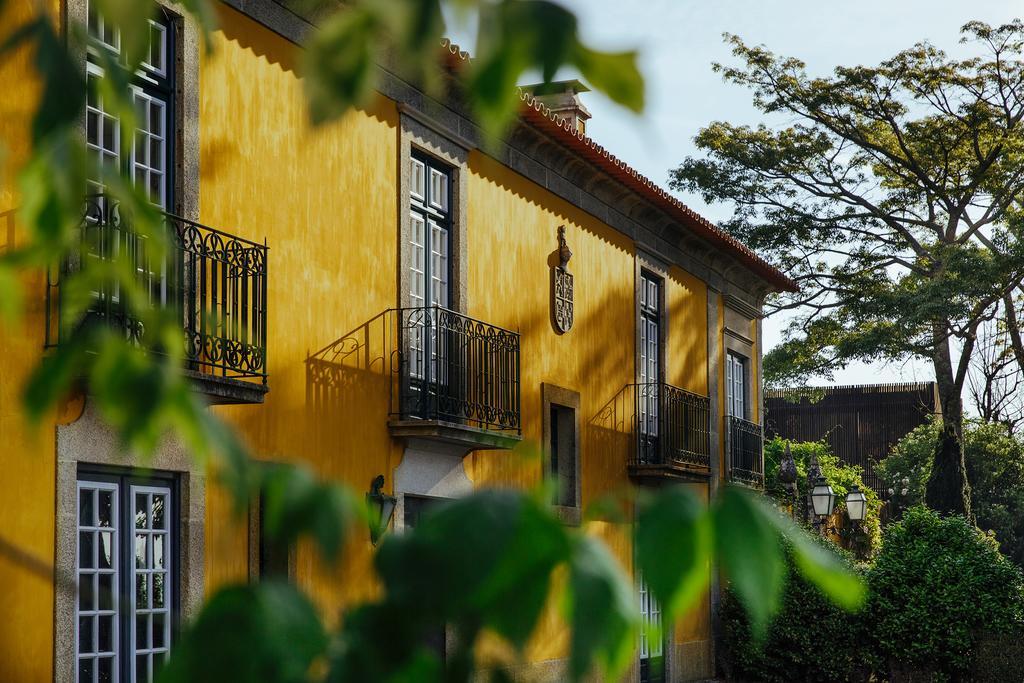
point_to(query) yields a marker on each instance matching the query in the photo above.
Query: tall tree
(891, 193)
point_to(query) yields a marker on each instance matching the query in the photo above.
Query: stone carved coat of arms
(562, 287)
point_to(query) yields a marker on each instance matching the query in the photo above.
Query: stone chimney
(563, 99)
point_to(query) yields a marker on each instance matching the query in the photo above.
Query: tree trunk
(948, 491)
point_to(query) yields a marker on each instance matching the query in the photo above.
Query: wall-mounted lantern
(381, 507)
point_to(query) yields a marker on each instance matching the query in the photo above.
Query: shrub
(866, 538)
(938, 587)
(810, 638)
(905, 471)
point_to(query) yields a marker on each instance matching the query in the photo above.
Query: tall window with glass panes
(736, 396)
(143, 155)
(430, 226)
(127, 525)
(650, 360)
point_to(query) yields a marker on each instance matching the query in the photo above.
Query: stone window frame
(87, 440)
(555, 395)
(419, 132)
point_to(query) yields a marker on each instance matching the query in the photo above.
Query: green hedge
(937, 588)
(810, 640)
(943, 605)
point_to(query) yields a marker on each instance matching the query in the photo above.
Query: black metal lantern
(823, 498)
(856, 504)
(381, 508)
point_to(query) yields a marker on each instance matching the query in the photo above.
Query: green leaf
(748, 548)
(122, 369)
(11, 294)
(205, 15)
(615, 74)
(63, 96)
(486, 558)
(51, 185)
(338, 63)
(603, 612)
(52, 378)
(250, 633)
(821, 567)
(297, 504)
(674, 544)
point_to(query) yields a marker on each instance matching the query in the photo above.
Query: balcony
(744, 453)
(214, 282)
(671, 432)
(457, 380)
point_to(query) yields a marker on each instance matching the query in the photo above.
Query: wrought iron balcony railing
(457, 369)
(672, 426)
(744, 451)
(215, 282)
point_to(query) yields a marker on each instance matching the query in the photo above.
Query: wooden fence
(861, 423)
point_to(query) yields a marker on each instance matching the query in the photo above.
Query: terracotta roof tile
(536, 114)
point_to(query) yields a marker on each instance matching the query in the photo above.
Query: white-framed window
(430, 224)
(103, 131)
(125, 576)
(147, 160)
(736, 394)
(142, 154)
(104, 32)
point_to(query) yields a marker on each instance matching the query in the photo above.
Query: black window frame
(649, 388)
(125, 478)
(164, 88)
(444, 218)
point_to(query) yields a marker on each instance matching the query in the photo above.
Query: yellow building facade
(411, 305)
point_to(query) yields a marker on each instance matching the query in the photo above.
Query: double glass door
(426, 323)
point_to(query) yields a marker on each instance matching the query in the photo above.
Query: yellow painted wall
(511, 249)
(687, 351)
(27, 455)
(325, 200)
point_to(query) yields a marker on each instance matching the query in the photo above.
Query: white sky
(678, 41)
